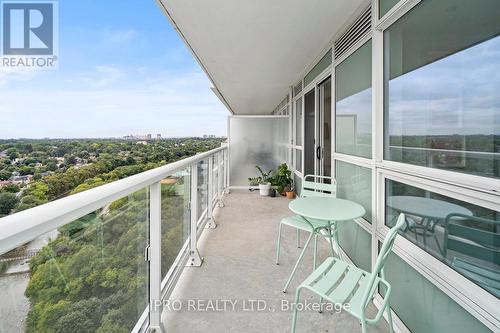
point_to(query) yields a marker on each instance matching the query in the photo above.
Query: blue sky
(123, 70)
(454, 95)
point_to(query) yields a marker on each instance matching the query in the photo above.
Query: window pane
(357, 244)
(322, 64)
(298, 160)
(385, 6)
(175, 217)
(202, 187)
(464, 236)
(309, 133)
(443, 107)
(355, 183)
(408, 284)
(298, 122)
(297, 89)
(353, 96)
(87, 276)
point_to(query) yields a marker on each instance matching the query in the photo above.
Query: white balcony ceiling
(252, 50)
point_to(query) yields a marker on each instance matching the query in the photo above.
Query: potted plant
(289, 192)
(253, 181)
(283, 179)
(264, 181)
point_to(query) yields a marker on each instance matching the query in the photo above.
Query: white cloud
(120, 36)
(10, 75)
(102, 76)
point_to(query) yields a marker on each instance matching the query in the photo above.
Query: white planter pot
(264, 189)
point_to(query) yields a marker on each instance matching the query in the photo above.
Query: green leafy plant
(283, 178)
(264, 177)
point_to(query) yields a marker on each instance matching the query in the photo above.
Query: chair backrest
(477, 242)
(319, 186)
(382, 257)
(482, 242)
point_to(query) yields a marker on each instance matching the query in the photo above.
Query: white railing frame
(20, 228)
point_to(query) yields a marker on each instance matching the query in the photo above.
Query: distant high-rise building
(158, 136)
(142, 137)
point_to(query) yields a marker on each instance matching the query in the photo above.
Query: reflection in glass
(202, 187)
(443, 107)
(322, 64)
(325, 93)
(298, 122)
(385, 6)
(355, 183)
(353, 108)
(463, 235)
(175, 217)
(91, 277)
(309, 133)
(298, 160)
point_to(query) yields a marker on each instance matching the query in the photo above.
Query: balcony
(393, 99)
(239, 266)
(139, 228)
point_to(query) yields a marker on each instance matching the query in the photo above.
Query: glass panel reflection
(355, 183)
(175, 216)
(443, 106)
(87, 276)
(353, 109)
(463, 235)
(202, 187)
(298, 122)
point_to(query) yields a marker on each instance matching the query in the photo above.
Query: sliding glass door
(318, 129)
(325, 128)
(310, 133)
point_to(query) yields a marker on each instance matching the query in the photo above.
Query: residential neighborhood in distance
(35, 171)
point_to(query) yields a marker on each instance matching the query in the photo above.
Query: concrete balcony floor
(239, 266)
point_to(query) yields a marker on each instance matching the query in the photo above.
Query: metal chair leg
(315, 250)
(298, 262)
(298, 238)
(278, 244)
(364, 329)
(295, 310)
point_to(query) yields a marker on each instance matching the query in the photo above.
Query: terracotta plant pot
(290, 194)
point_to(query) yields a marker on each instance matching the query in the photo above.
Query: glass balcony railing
(104, 259)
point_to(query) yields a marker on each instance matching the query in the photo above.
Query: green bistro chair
(341, 283)
(477, 246)
(326, 188)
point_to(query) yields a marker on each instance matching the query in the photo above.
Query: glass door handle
(318, 153)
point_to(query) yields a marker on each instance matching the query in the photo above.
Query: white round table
(327, 209)
(425, 207)
(431, 211)
(323, 214)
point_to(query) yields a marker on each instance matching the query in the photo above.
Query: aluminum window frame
(476, 300)
(475, 189)
(293, 134)
(481, 191)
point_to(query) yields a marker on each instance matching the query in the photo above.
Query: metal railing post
(194, 256)
(210, 219)
(153, 254)
(226, 171)
(220, 179)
